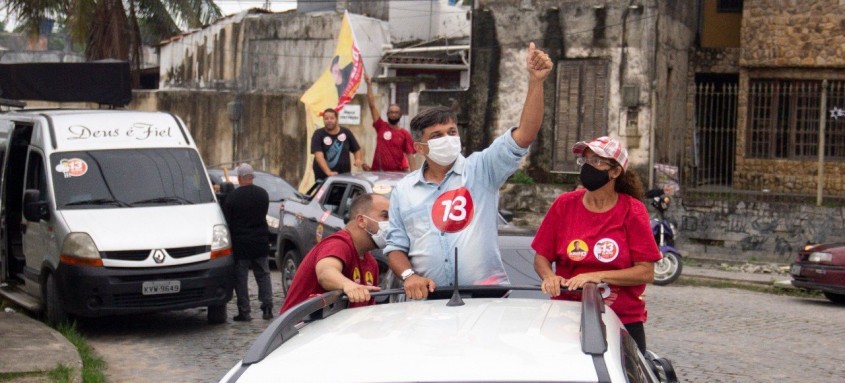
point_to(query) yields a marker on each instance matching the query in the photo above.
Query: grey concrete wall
(272, 123)
(646, 46)
(264, 52)
(739, 229)
(755, 230)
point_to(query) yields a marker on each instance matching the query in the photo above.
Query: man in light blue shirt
(452, 201)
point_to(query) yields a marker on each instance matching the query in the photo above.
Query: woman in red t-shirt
(600, 234)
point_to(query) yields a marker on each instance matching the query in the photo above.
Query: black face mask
(393, 121)
(592, 178)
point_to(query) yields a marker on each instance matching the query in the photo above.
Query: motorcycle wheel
(668, 269)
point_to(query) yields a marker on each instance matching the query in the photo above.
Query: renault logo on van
(158, 256)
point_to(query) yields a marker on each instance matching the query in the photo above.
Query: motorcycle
(669, 267)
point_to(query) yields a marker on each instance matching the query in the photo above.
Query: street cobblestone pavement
(733, 335)
(711, 335)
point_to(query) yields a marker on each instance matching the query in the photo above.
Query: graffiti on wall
(771, 231)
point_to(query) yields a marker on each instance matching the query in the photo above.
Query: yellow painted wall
(720, 30)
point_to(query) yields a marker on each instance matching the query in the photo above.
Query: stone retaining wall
(728, 230)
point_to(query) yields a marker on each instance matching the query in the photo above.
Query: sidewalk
(714, 273)
(27, 345)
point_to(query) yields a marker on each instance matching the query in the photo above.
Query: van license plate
(795, 270)
(161, 287)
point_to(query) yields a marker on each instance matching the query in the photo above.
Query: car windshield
(276, 187)
(129, 178)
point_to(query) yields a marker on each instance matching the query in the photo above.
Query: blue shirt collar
(458, 168)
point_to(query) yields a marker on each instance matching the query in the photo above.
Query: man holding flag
(331, 92)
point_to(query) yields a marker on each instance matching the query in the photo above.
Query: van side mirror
(34, 210)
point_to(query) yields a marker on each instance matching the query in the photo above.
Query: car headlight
(221, 246)
(820, 257)
(272, 222)
(79, 249)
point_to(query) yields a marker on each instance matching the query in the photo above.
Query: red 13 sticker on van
(73, 167)
(453, 210)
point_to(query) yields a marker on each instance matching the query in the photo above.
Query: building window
(729, 6)
(581, 113)
(784, 116)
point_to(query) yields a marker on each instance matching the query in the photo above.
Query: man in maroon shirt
(342, 261)
(394, 145)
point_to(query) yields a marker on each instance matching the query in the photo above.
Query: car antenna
(456, 293)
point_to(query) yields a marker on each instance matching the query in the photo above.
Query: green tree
(114, 29)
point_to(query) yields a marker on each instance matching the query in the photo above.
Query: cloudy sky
(229, 7)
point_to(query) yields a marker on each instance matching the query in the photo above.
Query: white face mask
(444, 150)
(379, 237)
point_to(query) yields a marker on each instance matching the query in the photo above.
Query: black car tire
(217, 314)
(835, 298)
(290, 262)
(53, 310)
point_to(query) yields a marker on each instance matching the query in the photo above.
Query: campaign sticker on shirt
(606, 250)
(577, 250)
(388, 135)
(453, 210)
(341, 137)
(356, 275)
(327, 140)
(73, 167)
(381, 188)
(368, 278)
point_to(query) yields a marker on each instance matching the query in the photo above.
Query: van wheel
(53, 310)
(217, 314)
(289, 264)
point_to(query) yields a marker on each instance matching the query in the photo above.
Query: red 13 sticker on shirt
(606, 250)
(452, 211)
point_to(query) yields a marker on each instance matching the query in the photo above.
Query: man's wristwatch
(407, 274)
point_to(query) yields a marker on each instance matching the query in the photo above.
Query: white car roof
(486, 339)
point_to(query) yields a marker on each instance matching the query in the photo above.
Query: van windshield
(129, 178)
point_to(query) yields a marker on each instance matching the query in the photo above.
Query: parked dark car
(822, 268)
(305, 220)
(277, 189)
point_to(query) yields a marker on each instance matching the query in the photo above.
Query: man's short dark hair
(361, 205)
(330, 110)
(430, 117)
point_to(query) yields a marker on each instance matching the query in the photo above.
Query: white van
(106, 212)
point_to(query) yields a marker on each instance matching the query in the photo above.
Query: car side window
(353, 192)
(334, 197)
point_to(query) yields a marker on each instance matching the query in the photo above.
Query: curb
(30, 346)
(786, 283)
